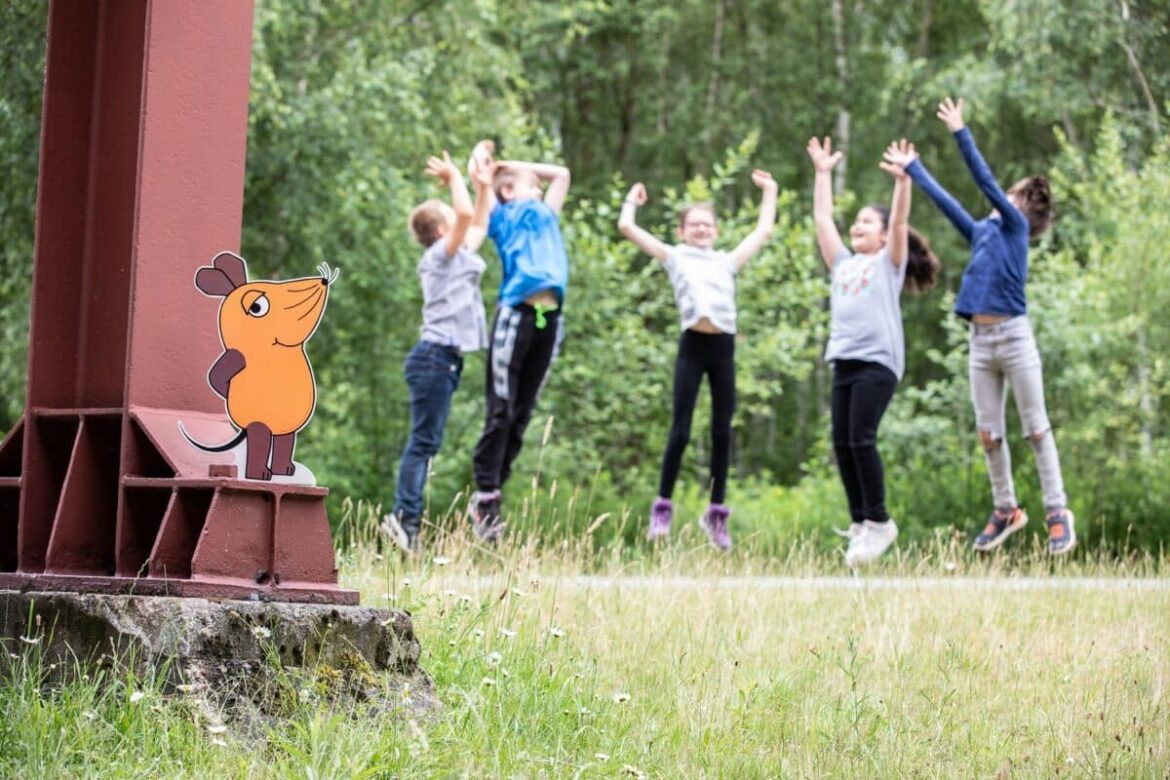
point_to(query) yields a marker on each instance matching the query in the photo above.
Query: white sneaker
(873, 540)
(851, 531)
(392, 528)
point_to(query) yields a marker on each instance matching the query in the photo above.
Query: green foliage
(348, 99)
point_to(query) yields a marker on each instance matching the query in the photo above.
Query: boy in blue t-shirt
(527, 330)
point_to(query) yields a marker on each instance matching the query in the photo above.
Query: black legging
(861, 393)
(712, 354)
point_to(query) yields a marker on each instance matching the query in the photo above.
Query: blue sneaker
(1062, 537)
(1000, 526)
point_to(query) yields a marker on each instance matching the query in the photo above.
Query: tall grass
(696, 667)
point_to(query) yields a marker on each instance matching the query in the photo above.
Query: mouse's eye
(256, 305)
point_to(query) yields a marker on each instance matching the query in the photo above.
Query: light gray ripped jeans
(1005, 354)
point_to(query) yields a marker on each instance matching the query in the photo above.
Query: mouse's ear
(212, 281)
(233, 266)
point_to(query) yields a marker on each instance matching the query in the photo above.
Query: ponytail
(922, 266)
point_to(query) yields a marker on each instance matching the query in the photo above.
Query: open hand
(482, 175)
(637, 194)
(764, 180)
(481, 156)
(897, 156)
(443, 169)
(823, 157)
(951, 113)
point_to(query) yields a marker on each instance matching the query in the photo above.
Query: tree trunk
(844, 119)
(713, 81)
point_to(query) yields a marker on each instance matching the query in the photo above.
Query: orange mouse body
(264, 373)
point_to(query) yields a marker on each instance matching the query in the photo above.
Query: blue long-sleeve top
(993, 282)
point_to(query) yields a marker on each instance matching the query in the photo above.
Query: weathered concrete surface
(251, 659)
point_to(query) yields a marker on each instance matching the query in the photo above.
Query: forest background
(350, 96)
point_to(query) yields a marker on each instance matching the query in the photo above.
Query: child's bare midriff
(545, 298)
(989, 319)
(705, 325)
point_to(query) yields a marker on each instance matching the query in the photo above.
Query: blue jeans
(432, 374)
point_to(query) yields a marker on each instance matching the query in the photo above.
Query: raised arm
(897, 156)
(629, 228)
(557, 176)
(481, 169)
(945, 202)
(951, 113)
(762, 233)
(824, 159)
(445, 170)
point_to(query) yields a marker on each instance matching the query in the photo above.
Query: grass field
(683, 663)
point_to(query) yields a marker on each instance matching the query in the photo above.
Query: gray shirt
(704, 285)
(867, 310)
(452, 304)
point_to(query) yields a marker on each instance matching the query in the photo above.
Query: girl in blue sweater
(1003, 348)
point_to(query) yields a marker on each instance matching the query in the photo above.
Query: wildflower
(509, 633)
(379, 557)
(464, 598)
(451, 643)
(478, 633)
(949, 565)
(406, 582)
(633, 771)
(601, 756)
(218, 742)
(389, 597)
(89, 715)
(450, 593)
(621, 697)
(441, 560)
(494, 659)
(137, 696)
(30, 640)
(217, 728)
(556, 632)
(518, 593)
(489, 681)
(261, 632)
(184, 688)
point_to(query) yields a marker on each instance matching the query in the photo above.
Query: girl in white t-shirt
(866, 345)
(704, 289)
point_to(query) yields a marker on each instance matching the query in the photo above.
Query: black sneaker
(484, 513)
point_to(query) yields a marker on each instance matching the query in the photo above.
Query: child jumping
(1002, 346)
(866, 344)
(528, 328)
(453, 324)
(704, 289)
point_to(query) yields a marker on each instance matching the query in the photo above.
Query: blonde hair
(507, 177)
(425, 222)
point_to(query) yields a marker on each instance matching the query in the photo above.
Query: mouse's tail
(217, 448)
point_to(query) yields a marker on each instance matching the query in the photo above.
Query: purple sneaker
(661, 511)
(714, 522)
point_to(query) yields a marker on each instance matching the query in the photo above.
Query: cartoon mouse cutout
(264, 374)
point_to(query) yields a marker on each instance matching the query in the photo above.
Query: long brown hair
(922, 266)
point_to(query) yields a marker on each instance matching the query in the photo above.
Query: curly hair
(1034, 200)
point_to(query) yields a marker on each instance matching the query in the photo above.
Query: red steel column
(143, 144)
